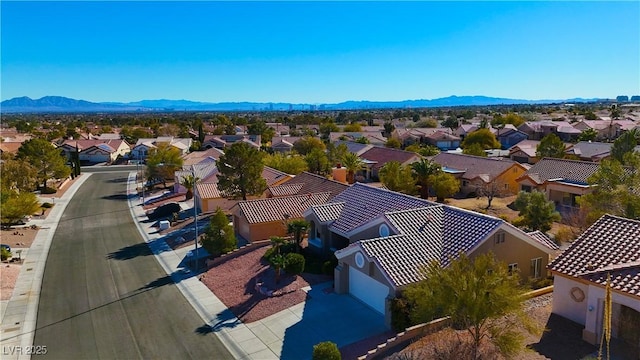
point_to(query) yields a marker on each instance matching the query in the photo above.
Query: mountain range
(62, 104)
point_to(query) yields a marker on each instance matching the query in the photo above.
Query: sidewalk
(240, 340)
(19, 316)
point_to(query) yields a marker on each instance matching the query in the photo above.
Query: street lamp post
(195, 215)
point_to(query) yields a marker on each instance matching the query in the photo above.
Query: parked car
(164, 211)
(5, 246)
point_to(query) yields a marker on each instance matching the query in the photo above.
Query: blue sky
(319, 52)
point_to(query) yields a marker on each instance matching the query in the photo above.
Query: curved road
(103, 293)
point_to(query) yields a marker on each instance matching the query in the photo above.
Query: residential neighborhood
(364, 214)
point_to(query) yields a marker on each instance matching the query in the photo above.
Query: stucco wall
(593, 318)
(210, 205)
(509, 178)
(514, 250)
(564, 305)
(370, 269)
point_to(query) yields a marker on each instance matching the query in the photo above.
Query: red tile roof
(382, 155)
(610, 245)
(280, 208)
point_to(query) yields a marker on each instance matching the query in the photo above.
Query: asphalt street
(103, 293)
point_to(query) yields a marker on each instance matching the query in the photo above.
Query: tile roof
(543, 239)
(474, 166)
(589, 150)
(328, 212)
(312, 183)
(610, 245)
(354, 147)
(274, 209)
(285, 189)
(208, 191)
(529, 147)
(442, 135)
(10, 147)
(568, 170)
(364, 203)
(195, 157)
(436, 233)
(273, 176)
(85, 144)
(382, 155)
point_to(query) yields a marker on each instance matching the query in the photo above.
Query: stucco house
(377, 156)
(610, 247)
(510, 137)
(142, 147)
(259, 219)
(475, 172)
(222, 141)
(524, 152)
(208, 197)
(306, 183)
(382, 238)
(561, 180)
(536, 130)
(443, 140)
(94, 150)
(284, 143)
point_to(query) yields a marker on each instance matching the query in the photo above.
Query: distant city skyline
(318, 52)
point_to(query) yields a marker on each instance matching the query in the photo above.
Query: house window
(526, 188)
(536, 267)
(513, 268)
(499, 238)
(506, 186)
(465, 183)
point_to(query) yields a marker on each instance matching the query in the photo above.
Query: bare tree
(492, 190)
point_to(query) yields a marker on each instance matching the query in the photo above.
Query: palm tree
(297, 228)
(353, 164)
(278, 262)
(276, 242)
(189, 182)
(422, 170)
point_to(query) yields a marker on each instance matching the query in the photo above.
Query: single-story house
(373, 137)
(475, 172)
(562, 180)
(443, 140)
(260, 219)
(98, 153)
(284, 143)
(610, 248)
(377, 156)
(142, 147)
(510, 137)
(384, 238)
(306, 183)
(222, 141)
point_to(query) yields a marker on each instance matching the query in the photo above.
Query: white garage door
(367, 290)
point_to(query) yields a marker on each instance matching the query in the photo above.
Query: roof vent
(590, 266)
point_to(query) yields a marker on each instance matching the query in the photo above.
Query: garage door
(367, 290)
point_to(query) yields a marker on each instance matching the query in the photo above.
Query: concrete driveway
(324, 316)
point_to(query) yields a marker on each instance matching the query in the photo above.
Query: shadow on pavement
(562, 339)
(130, 252)
(123, 196)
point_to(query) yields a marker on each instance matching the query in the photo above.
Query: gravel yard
(234, 283)
(8, 276)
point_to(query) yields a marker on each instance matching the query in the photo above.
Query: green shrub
(46, 205)
(329, 265)
(326, 350)
(535, 284)
(564, 234)
(399, 314)
(294, 264)
(5, 254)
(284, 249)
(48, 190)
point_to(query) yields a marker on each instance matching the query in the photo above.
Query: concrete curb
(20, 316)
(241, 341)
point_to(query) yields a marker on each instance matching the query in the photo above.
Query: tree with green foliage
(444, 185)
(423, 149)
(297, 228)
(163, 161)
(336, 153)
(483, 137)
(615, 189)
(308, 143)
(259, 127)
(625, 144)
(18, 174)
(16, 205)
(327, 128)
(353, 127)
(479, 295)
(551, 146)
(219, 238)
(326, 350)
(396, 177)
(292, 164)
(475, 150)
(588, 135)
(451, 122)
(317, 162)
(422, 170)
(46, 158)
(201, 134)
(5, 254)
(388, 128)
(189, 182)
(353, 164)
(393, 143)
(536, 211)
(589, 115)
(240, 171)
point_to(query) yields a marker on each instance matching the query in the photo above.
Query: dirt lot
(498, 206)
